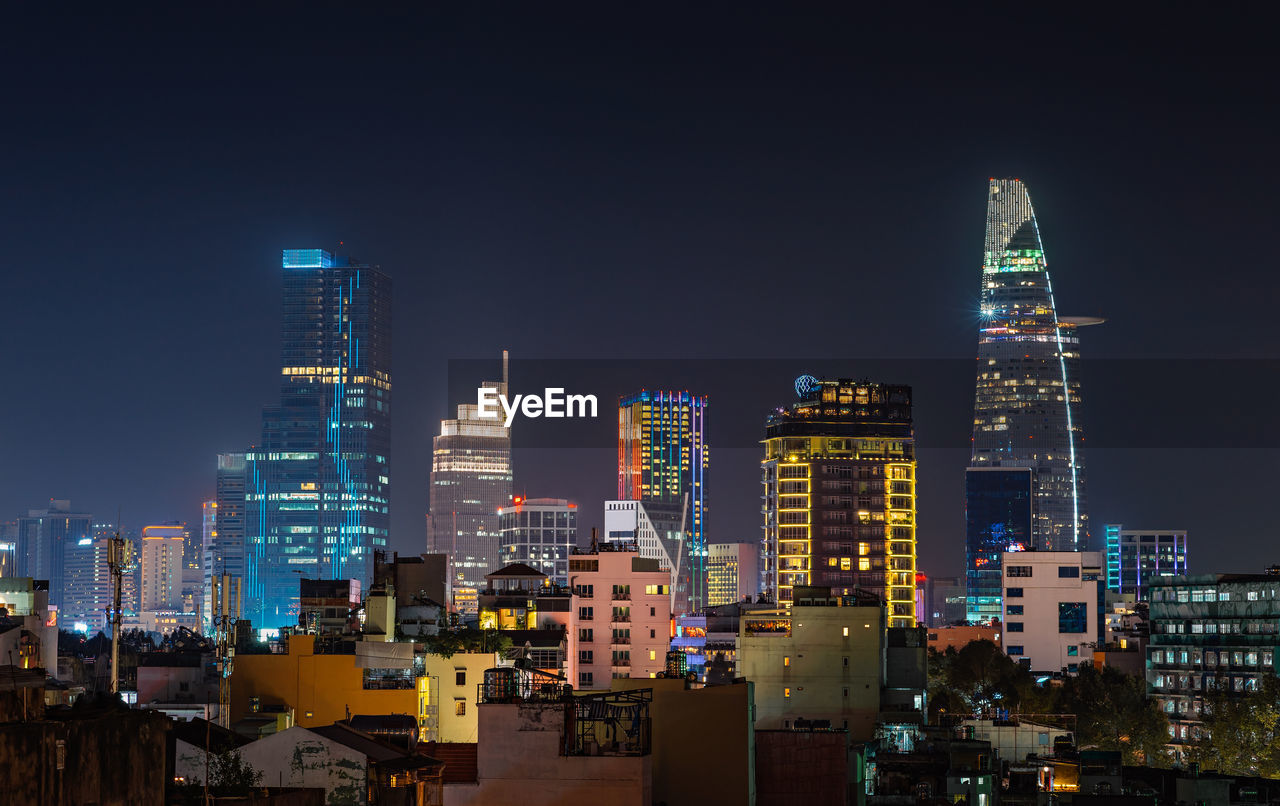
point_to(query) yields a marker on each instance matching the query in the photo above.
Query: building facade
(1052, 604)
(1211, 634)
(1026, 410)
(733, 572)
(656, 531)
(623, 615)
(161, 567)
(87, 588)
(44, 535)
(839, 494)
(470, 482)
(317, 488)
(541, 533)
(998, 517)
(663, 460)
(1138, 557)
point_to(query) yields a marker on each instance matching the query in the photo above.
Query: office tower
(1027, 404)
(541, 533)
(733, 572)
(945, 600)
(161, 566)
(87, 583)
(1052, 608)
(655, 530)
(839, 494)
(208, 533)
(43, 538)
(227, 535)
(1138, 557)
(998, 517)
(317, 487)
(663, 459)
(470, 482)
(8, 548)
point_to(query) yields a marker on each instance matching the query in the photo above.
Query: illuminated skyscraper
(44, 538)
(663, 458)
(997, 518)
(162, 550)
(839, 494)
(541, 533)
(470, 482)
(1137, 558)
(317, 488)
(1027, 402)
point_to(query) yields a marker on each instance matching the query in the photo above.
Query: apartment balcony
(622, 597)
(620, 640)
(620, 620)
(620, 663)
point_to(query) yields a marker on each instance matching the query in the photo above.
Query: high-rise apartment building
(655, 530)
(1138, 557)
(44, 536)
(839, 494)
(1027, 402)
(470, 482)
(87, 582)
(162, 565)
(733, 573)
(317, 488)
(998, 517)
(663, 459)
(541, 533)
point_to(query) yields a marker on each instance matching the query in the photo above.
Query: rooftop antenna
(115, 567)
(504, 372)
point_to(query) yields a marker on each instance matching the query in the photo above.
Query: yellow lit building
(840, 499)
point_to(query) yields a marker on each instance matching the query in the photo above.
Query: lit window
(845, 630)
(786, 692)
(786, 660)
(460, 707)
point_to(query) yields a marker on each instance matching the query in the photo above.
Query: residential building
(539, 532)
(663, 459)
(317, 487)
(656, 530)
(329, 606)
(539, 618)
(1136, 557)
(839, 494)
(419, 580)
(623, 615)
(449, 686)
(29, 639)
(733, 572)
(1026, 410)
(470, 482)
(86, 584)
(1052, 606)
(321, 681)
(999, 517)
(161, 567)
(43, 538)
(1211, 634)
(822, 659)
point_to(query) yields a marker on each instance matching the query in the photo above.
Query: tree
(979, 678)
(231, 775)
(1113, 713)
(1242, 734)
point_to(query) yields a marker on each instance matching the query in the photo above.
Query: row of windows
(1064, 571)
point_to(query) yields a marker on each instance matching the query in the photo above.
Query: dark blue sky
(798, 187)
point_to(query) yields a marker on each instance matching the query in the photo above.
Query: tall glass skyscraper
(470, 483)
(317, 488)
(1027, 404)
(997, 518)
(663, 458)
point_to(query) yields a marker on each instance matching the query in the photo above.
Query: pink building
(623, 615)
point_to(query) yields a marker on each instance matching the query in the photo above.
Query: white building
(162, 550)
(659, 532)
(1052, 601)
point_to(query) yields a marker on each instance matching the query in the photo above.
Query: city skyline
(665, 177)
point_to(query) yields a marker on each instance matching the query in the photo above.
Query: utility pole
(226, 611)
(115, 565)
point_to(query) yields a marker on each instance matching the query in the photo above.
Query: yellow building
(840, 499)
(325, 688)
(450, 686)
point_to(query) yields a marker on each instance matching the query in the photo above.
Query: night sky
(604, 189)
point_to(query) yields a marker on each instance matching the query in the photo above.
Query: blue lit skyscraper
(998, 518)
(317, 488)
(663, 458)
(1027, 402)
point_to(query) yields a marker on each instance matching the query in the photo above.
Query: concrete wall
(800, 768)
(520, 763)
(298, 757)
(692, 767)
(1039, 640)
(817, 671)
(114, 758)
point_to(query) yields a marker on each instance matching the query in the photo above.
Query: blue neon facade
(998, 518)
(317, 488)
(663, 457)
